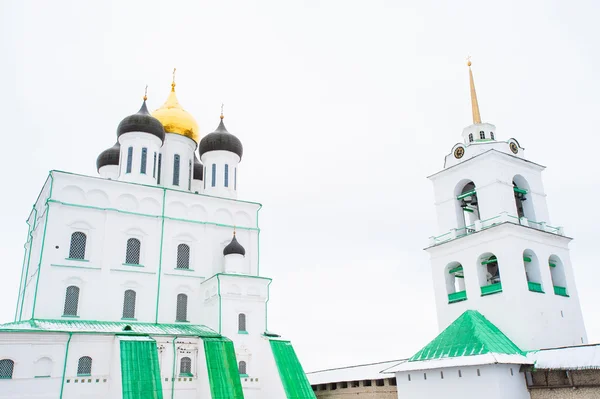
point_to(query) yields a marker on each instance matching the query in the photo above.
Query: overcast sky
(343, 107)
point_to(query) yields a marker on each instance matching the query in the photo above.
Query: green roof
(470, 334)
(109, 327)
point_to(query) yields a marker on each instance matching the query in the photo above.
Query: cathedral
(507, 307)
(144, 281)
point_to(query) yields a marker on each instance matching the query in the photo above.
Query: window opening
(129, 159)
(235, 179)
(241, 322)
(154, 166)
(185, 366)
(190, 174)
(132, 254)
(523, 201)
(77, 248)
(409, 377)
(366, 383)
(532, 271)
(344, 384)
(214, 175)
(492, 271)
(355, 384)
(204, 177)
(492, 135)
(84, 367)
(424, 376)
(459, 373)
(333, 386)
(129, 304)
(144, 158)
(181, 312)
(159, 168)
(183, 256)
(470, 137)
(469, 206)
(242, 367)
(482, 135)
(478, 373)
(176, 170)
(511, 371)
(519, 199)
(557, 273)
(455, 282)
(442, 375)
(71, 301)
(379, 383)
(226, 178)
(392, 382)
(6, 369)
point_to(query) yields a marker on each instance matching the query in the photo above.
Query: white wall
(220, 159)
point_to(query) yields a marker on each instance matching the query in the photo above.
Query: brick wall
(364, 389)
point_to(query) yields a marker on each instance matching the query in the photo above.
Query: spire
(173, 82)
(474, 104)
(223, 116)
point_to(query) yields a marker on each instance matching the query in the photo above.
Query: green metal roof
(470, 334)
(109, 327)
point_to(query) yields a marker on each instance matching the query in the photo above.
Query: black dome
(110, 156)
(221, 140)
(234, 247)
(198, 169)
(142, 121)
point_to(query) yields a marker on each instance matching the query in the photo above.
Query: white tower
(497, 252)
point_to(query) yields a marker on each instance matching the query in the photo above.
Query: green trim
(77, 267)
(526, 259)
(181, 268)
(129, 318)
(266, 305)
(243, 375)
(131, 271)
(28, 259)
(457, 296)
(42, 376)
(23, 268)
(535, 287)
(160, 253)
(492, 259)
(562, 291)
(465, 195)
(519, 190)
(258, 242)
(70, 316)
(456, 269)
(220, 304)
(174, 366)
(186, 374)
(552, 264)
(77, 260)
(62, 384)
(182, 275)
(242, 332)
(491, 289)
(83, 375)
(39, 271)
(132, 264)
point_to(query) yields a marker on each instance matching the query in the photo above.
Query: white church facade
(145, 282)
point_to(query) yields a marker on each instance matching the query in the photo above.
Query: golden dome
(177, 120)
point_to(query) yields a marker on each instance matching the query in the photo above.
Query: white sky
(343, 108)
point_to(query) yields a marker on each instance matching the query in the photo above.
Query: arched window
(467, 207)
(181, 312)
(226, 180)
(132, 254)
(522, 201)
(455, 282)
(129, 304)
(489, 274)
(470, 137)
(77, 249)
(6, 369)
(176, 170)
(242, 322)
(84, 366)
(492, 135)
(71, 301)
(557, 272)
(143, 162)
(185, 367)
(129, 159)
(214, 175)
(235, 178)
(43, 367)
(183, 256)
(154, 165)
(532, 271)
(242, 368)
(482, 135)
(190, 174)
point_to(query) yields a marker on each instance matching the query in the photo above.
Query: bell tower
(497, 251)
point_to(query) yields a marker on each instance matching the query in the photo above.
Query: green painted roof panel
(470, 334)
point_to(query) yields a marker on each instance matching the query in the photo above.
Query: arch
(84, 366)
(489, 274)
(243, 219)
(185, 366)
(77, 247)
(532, 271)
(467, 206)
(177, 209)
(242, 322)
(197, 212)
(7, 367)
(234, 289)
(127, 202)
(150, 205)
(183, 256)
(455, 282)
(132, 253)
(98, 198)
(71, 301)
(242, 368)
(43, 367)
(223, 216)
(129, 298)
(557, 272)
(181, 311)
(523, 203)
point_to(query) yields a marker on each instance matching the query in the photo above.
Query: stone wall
(364, 389)
(560, 384)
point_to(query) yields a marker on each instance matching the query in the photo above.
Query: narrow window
(214, 175)
(470, 137)
(442, 375)
(482, 135)
(235, 179)
(143, 163)
(511, 371)
(159, 167)
(77, 249)
(132, 254)
(242, 322)
(355, 384)
(478, 373)
(185, 366)
(190, 174)
(176, 170)
(226, 180)
(333, 386)
(459, 373)
(344, 384)
(366, 383)
(84, 367)
(154, 166)
(409, 377)
(183, 256)
(181, 312)
(204, 177)
(6, 369)
(71, 301)
(424, 376)
(242, 367)
(392, 382)
(129, 159)
(379, 383)
(492, 135)
(129, 304)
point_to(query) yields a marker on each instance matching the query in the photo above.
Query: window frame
(178, 256)
(158, 175)
(129, 165)
(129, 308)
(470, 137)
(143, 160)
(243, 366)
(242, 323)
(226, 176)
(183, 311)
(139, 252)
(69, 291)
(214, 175)
(85, 367)
(10, 367)
(481, 135)
(176, 169)
(72, 250)
(182, 372)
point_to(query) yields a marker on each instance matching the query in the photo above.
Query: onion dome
(221, 140)
(142, 121)
(234, 247)
(198, 169)
(175, 119)
(110, 156)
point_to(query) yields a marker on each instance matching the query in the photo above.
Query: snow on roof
(568, 358)
(371, 371)
(461, 361)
